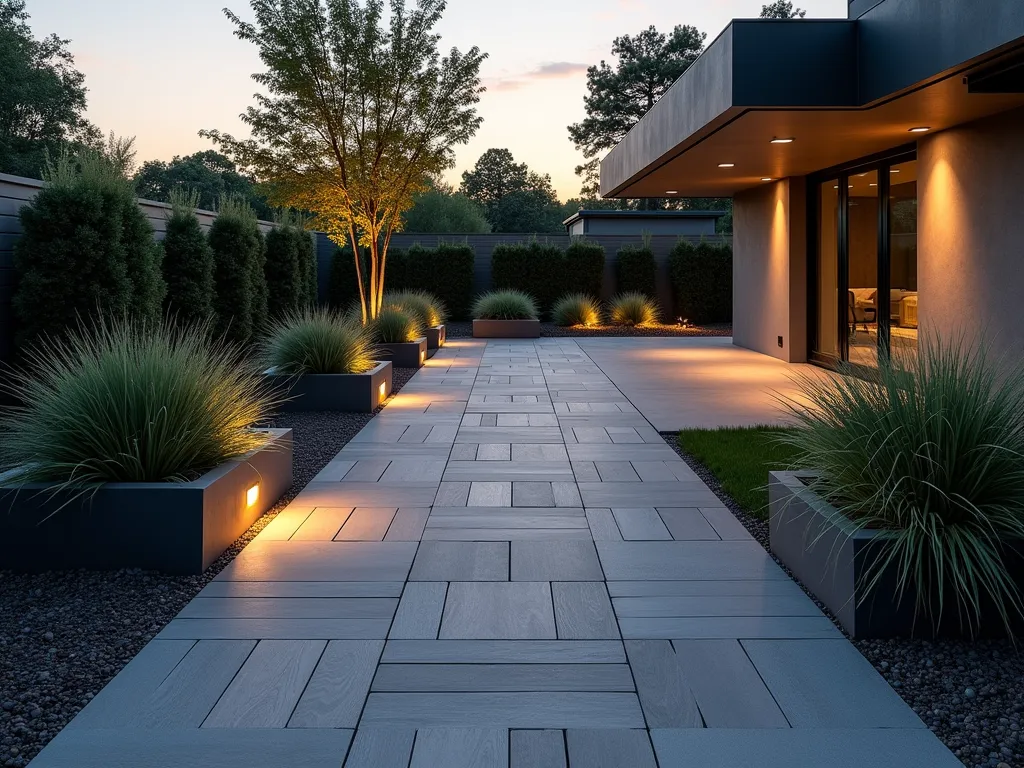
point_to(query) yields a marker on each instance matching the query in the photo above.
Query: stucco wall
(769, 269)
(971, 232)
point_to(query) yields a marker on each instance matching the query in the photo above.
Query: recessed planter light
(920, 129)
(727, 165)
(784, 140)
(252, 495)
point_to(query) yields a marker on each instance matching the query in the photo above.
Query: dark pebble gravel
(64, 635)
(464, 330)
(971, 694)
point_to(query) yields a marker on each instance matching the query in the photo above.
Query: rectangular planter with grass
(506, 329)
(409, 354)
(178, 528)
(435, 337)
(347, 392)
(827, 552)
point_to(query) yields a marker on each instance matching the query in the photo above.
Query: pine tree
(237, 251)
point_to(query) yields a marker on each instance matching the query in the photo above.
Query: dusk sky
(161, 71)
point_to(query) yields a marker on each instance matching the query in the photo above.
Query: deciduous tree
(209, 173)
(512, 197)
(358, 109)
(440, 209)
(781, 9)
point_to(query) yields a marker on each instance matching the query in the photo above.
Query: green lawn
(740, 458)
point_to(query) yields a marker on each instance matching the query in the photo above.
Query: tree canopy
(618, 96)
(211, 174)
(781, 9)
(512, 197)
(440, 209)
(358, 108)
(42, 97)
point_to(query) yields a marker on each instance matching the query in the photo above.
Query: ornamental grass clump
(317, 341)
(930, 451)
(633, 308)
(424, 306)
(576, 309)
(395, 326)
(129, 401)
(505, 305)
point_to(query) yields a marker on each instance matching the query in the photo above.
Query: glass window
(863, 304)
(827, 272)
(903, 258)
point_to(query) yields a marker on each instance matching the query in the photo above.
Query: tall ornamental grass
(633, 308)
(426, 307)
(317, 341)
(505, 305)
(576, 309)
(129, 401)
(929, 449)
(395, 326)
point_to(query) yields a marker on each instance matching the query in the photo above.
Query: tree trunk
(359, 269)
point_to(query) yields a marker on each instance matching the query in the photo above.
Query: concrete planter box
(436, 337)
(178, 528)
(831, 557)
(348, 392)
(410, 354)
(506, 329)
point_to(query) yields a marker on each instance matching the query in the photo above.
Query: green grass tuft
(317, 341)
(634, 309)
(576, 309)
(395, 326)
(505, 305)
(740, 458)
(427, 308)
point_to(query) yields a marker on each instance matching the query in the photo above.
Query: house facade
(585, 223)
(876, 165)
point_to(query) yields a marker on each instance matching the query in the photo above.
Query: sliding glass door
(863, 288)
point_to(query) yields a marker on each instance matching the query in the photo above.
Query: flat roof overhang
(761, 80)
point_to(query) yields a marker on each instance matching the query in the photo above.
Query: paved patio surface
(507, 567)
(697, 382)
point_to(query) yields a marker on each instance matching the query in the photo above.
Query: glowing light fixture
(765, 178)
(894, 170)
(423, 356)
(252, 495)
(872, 184)
(671, 191)
(383, 390)
(727, 165)
(784, 140)
(920, 129)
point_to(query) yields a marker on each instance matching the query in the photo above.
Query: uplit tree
(359, 108)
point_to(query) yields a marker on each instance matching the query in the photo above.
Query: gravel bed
(464, 330)
(971, 694)
(65, 634)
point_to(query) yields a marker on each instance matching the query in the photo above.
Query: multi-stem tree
(358, 110)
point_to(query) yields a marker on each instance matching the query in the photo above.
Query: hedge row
(701, 275)
(548, 272)
(445, 271)
(636, 271)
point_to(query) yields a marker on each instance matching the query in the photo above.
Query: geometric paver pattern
(507, 567)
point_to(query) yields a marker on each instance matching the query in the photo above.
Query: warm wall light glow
(252, 495)
(920, 129)
(726, 165)
(383, 389)
(777, 140)
(671, 191)
(423, 356)
(765, 178)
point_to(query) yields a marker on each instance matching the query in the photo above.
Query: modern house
(597, 222)
(876, 165)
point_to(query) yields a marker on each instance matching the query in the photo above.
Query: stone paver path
(507, 567)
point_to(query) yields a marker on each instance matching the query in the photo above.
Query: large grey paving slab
(302, 589)
(360, 494)
(461, 748)
(366, 524)
(381, 748)
(686, 560)
(555, 561)
(728, 689)
(583, 611)
(419, 613)
(811, 747)
(337, 690)
(828, 684)
(720, 605)
(534, 494)
(706, 588)
(665, 696)
(504, 710)
(492, 610)
(541, 471)
(276, 629)
(193, 748)
(688, 524)
(712, 627)
(609, 748)
(679, 493)
(461, 561)
(411, 678)
(408, 524)
(509, 435)
(290, 608)
(321, 561)
(537, 749)
(641, 524)
(503, 652)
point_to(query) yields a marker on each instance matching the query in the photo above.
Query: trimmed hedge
(635, 271)
(535, 268)
(584, 267)
(701, 275)
(237, 254)
(285, 275)
(342, 288)
(310, 293)
(187, 264)
(446, 272)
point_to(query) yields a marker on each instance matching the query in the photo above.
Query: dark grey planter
(348, 392)
(410, 354)
(506, 329)
(436, 337)
(178, 528)
(830, 556)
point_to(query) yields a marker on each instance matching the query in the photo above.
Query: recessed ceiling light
(872, 184)
(894, 170)
(765, 178)
(671, 191)
(920, 129)
(777, 140)
(726, 165)
(862, 174)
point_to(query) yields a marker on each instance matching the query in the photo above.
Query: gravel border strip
(464, 330)
(65, 634)
(970, 694)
